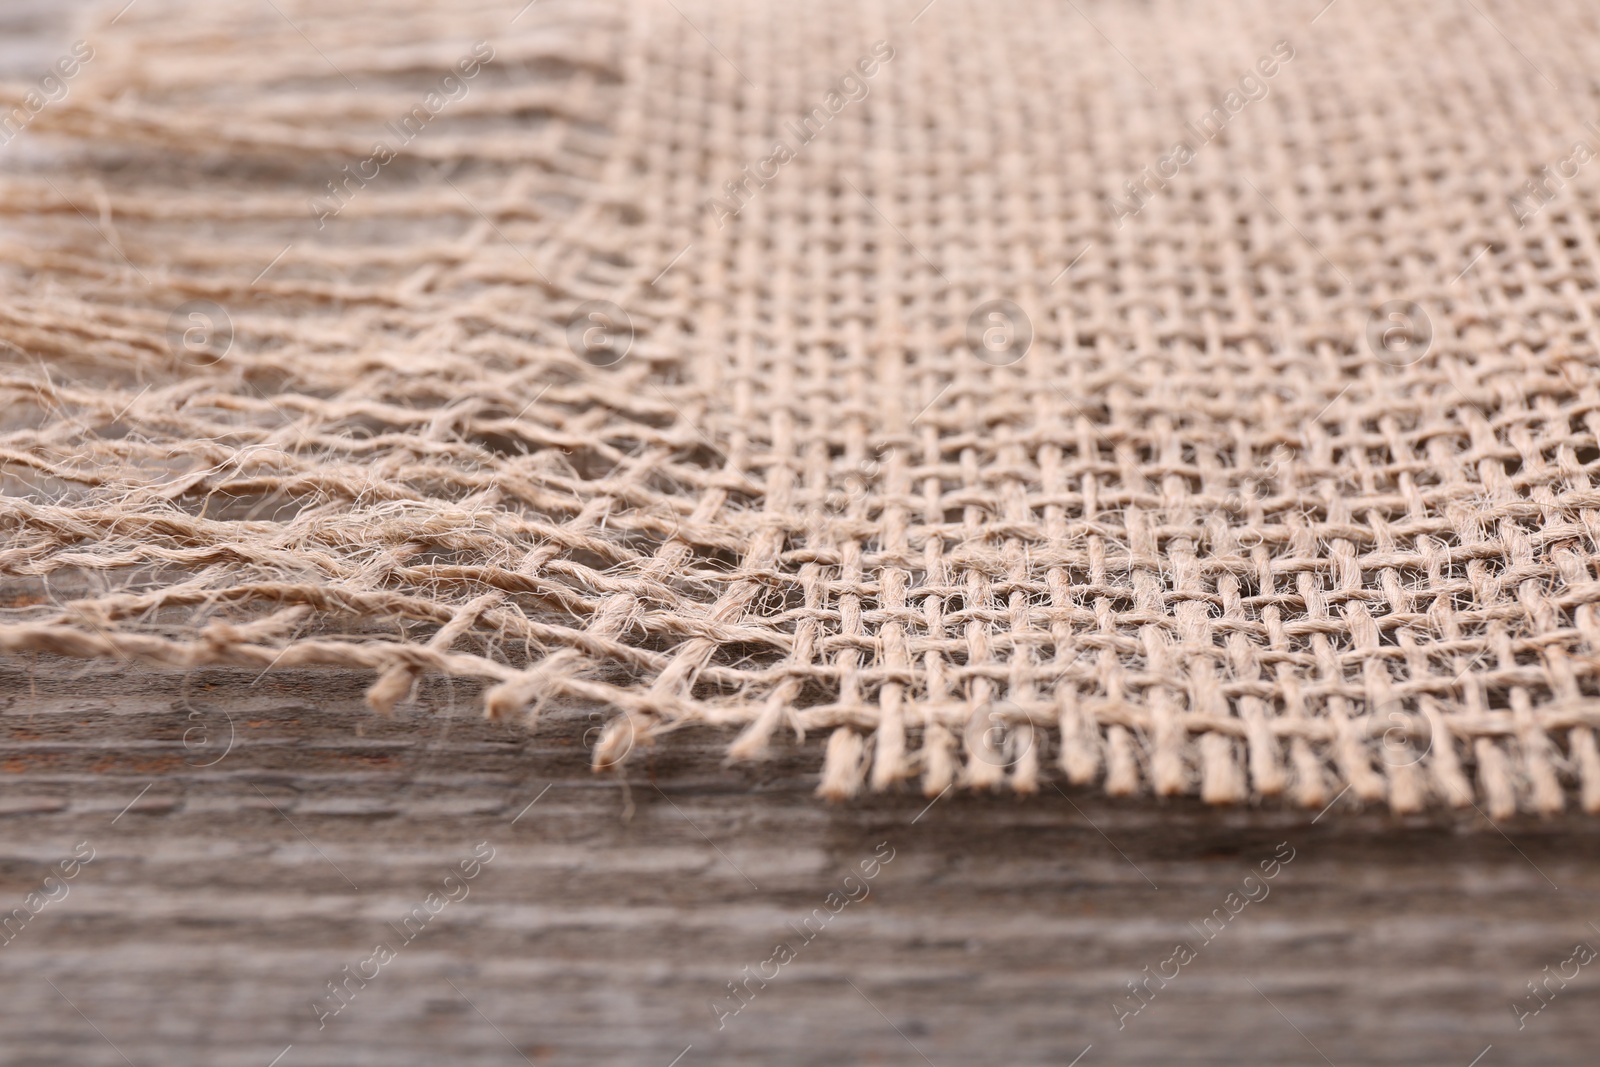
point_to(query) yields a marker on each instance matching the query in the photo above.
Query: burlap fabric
(1193, 398)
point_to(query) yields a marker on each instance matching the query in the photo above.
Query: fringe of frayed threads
(991, 754)
(1089, 752)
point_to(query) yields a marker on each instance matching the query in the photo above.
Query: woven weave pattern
(1188, 398)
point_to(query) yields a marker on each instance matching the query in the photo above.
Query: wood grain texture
(616, 910)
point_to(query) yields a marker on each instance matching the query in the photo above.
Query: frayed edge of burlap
(1124, 747)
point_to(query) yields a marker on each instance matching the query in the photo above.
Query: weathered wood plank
(615, 911)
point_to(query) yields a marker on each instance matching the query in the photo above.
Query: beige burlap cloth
(1189, 398)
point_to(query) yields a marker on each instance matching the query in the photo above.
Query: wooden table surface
(252, 840)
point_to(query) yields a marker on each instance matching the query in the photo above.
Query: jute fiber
(1188, 398)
